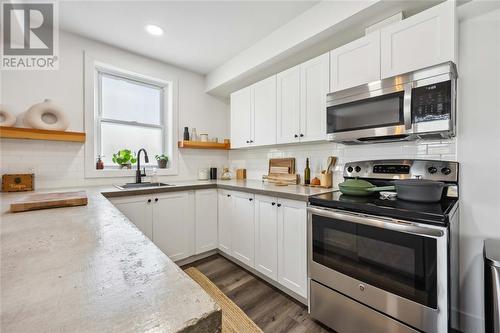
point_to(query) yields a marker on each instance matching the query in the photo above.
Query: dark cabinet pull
(248, 141)
(250, 199)
(273, 203)
(301, 135)
(296, 136)
(149, 200)
(251, 141)
(279, 205)
(228, 195)
(156, 199)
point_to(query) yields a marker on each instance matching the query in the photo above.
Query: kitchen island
(89, 269)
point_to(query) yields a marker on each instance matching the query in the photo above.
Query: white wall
(478, 149)
(61, 164)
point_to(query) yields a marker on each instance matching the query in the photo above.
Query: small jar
(186, 134)
(194, 135)
(204, 137)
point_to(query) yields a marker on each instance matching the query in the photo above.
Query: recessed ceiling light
(154, 30)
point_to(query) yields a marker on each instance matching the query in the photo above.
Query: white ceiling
(199, 35)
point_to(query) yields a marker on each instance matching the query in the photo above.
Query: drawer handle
(149, 200)
(156, 199)
(273, 203)
(362, 287)
(279, 205)
(228, 195)
(250, 199)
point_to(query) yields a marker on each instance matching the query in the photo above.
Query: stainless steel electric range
(383, 266)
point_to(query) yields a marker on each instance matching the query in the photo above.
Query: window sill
(116, 173)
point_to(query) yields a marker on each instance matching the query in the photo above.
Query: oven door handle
(389, 224)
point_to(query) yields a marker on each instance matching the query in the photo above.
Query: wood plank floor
(272, 310)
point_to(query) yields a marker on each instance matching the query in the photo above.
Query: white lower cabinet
(225, 210)
(138, 210)
(205, 220)
(292, 245)
(168, 219)
(266, 236)
(173, 224)
(242, 231)
(281, 241)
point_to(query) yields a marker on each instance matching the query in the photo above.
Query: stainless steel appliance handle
(407, 106)
(390, 224)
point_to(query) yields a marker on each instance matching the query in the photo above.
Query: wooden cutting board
(49, 200)
(282, 165)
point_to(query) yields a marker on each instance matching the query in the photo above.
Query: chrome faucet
(138, 174)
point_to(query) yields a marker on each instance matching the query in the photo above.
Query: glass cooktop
(433, 213)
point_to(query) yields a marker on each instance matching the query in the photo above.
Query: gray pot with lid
(419, 190)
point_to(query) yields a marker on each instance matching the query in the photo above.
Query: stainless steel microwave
(416, 105)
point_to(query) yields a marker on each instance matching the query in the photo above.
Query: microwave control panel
(431, 102)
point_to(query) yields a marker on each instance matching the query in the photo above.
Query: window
(127, 107)
(130, 115)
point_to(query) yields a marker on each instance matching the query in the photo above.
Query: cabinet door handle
(228, 195)
(273, 203)
(248, 141)
(250, 199)
(251, 141)
(301, 135)
(279, 205)
(295, 136)
(149, 200)
(156, 199)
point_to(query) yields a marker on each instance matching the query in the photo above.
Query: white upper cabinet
(225, 217)
(173, 224)
(314, 85)
(266, 236)
(292, 246)
(253, 115)
(241, 117)
(243, 228)
(355, 63)
(425, 39)
(288, 104)
(205, 220)
(302, 90)
(264, 112)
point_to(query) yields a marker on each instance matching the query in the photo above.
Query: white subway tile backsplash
(441, 149)
(255, 160)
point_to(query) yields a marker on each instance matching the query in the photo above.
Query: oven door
(370, 116)
(396, 267)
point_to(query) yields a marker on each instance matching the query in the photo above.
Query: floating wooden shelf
(37, 134)
(204, 145)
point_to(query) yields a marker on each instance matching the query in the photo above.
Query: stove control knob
(432, 169)
(358, 169)
(349, 169)
(446, 171)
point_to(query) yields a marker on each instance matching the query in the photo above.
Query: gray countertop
(88, 269)
(293, 192)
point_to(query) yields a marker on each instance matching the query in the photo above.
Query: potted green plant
(124, 158)
(162, 161)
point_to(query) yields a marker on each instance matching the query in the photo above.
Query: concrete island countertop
(89, 269)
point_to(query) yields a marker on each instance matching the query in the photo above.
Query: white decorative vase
(46, 116)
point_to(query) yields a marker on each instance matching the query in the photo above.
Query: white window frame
(93, 71)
